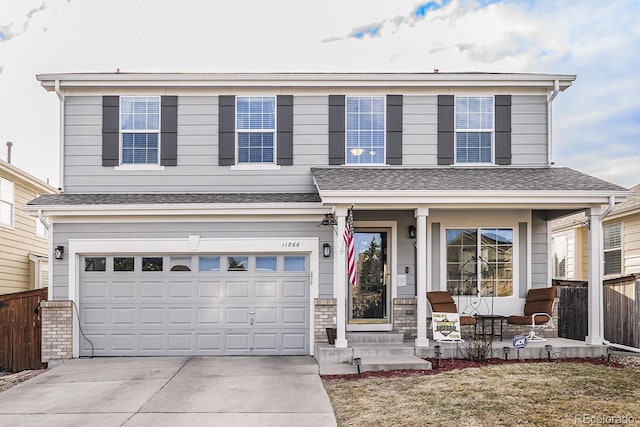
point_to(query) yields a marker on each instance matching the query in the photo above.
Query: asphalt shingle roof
(172, 198)
(457, 179)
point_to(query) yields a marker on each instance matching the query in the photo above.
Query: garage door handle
(251, 318)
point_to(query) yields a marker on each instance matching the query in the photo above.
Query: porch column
(340, 279)
(421, 276)
(594, 296)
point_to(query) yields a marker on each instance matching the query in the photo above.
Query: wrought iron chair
(538, 311)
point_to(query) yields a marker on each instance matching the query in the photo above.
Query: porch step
(391, 363)
(381, 350)
(374, 337)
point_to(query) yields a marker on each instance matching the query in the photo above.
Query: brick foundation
(325, 317)
(57, 330)
(404, 317)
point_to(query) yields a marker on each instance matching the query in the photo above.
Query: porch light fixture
(326, 250)
(58, 252)
(412, 231)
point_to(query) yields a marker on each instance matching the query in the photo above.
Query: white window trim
(620, 248)
(567, 235)
(13, 206)
(492, 131)
(257, 165)
(384, 131)
(137, 166)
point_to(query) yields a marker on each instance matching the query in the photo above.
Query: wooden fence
(572, 309)
(621, 299)
(20, 330)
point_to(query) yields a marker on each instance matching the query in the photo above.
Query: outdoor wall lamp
(58, 252)
(412, 231)
(326, 250)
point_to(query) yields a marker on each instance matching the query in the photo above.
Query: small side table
(488, 324)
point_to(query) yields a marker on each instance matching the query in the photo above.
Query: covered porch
(423, 210)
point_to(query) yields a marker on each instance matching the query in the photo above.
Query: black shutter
(394, 130)
(336, 129)
(503, 129)
(110, 131)
(169, 130)
(446, 130)
(285, 129)
(226, 130)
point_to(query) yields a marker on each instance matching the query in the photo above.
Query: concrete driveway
(172, 391)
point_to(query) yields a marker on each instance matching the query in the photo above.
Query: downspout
(41, 218)
(61, 136)
(607, 211)
(550, 98)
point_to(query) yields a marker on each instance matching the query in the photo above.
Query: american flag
(351, 253)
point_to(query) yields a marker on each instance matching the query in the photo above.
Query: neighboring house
(23, 238)
(205, 213)
(621, 242)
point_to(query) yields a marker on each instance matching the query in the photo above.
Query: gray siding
(63, 232)
(420, 130)
(539, 251)
(529, 130)
(197, 167)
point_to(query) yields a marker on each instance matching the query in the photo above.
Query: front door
(370, 297)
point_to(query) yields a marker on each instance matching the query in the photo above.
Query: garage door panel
(209, 316)
(152, 316)
(237, 315)
(238, 289)
(185, 313)
(266, 289)
(209, 289)
(123, 290)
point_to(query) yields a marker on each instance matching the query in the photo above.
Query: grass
(521, 394)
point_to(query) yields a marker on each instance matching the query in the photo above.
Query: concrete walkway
(172, 391)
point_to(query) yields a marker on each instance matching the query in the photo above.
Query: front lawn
(518, 394)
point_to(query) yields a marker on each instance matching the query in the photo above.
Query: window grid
(612, 234)
(480, 260)
(474, 119)
(140, 129)
(7, 202)
(256, 129)
(365, 130)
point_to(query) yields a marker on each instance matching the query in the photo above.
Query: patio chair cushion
(526, 320)
(442, 302)
(467, 320)
(540, 301)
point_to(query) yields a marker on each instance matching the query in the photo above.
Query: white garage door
(194, 305)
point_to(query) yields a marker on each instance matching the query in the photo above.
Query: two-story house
(23, 238)
(206, 213)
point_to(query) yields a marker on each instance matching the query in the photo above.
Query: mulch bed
(447, 365)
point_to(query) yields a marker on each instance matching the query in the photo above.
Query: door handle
(251, 317)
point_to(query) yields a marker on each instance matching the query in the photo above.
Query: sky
(596, 122)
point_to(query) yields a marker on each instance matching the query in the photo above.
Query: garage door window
(152, 264)
(123, 264)
(294, 263)
(237, 263)
(95, 264)
(266, 263)
(180, 264)
(209, 263)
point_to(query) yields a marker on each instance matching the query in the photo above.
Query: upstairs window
(140, 129)
(474, 129)
(365, 133)
(6, 202)
(612, 249)
(256, 129)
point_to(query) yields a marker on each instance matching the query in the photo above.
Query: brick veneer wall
(57, 330)
(324, 317)
(404, 317)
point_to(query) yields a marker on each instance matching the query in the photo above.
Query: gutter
(41, 219)
(61, 136)
(550, 98)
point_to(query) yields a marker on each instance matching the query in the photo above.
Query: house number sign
(291, 244)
